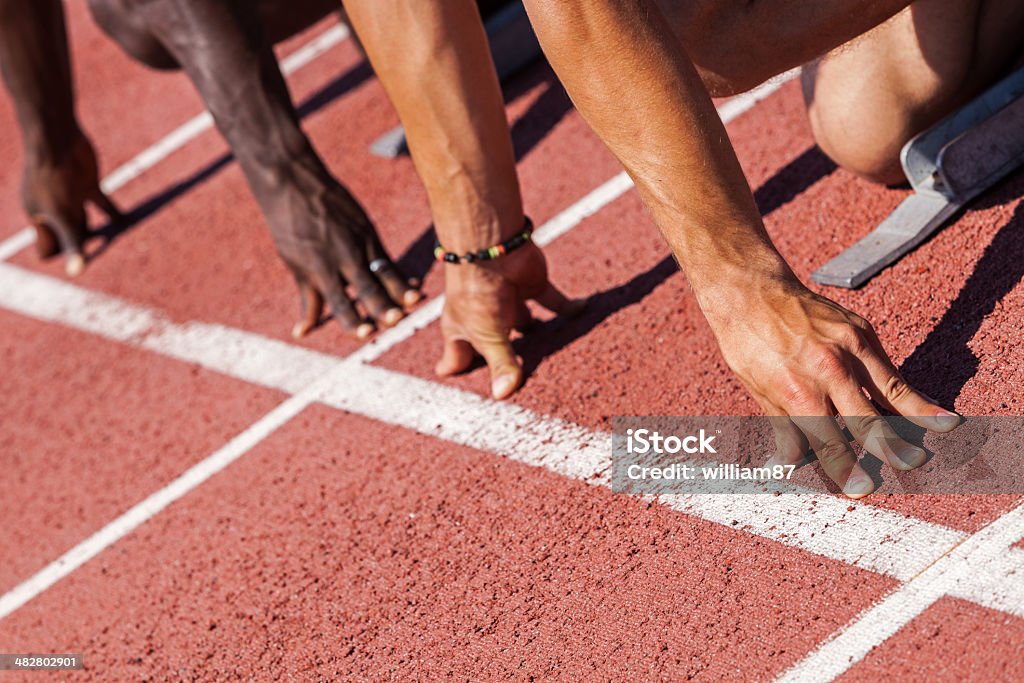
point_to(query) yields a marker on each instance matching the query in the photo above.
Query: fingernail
(364, 330)
(911, 456)
(393, 315)
(502, 386)
(412, 296)
(860, 486)
(75, 265)
(947, 420)
(298, 331)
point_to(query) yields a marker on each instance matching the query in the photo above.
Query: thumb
(69, 235)
(506, 372)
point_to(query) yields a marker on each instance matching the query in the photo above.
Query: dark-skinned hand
(55, 191)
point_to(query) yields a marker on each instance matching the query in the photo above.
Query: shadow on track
(551, 336)
(944, 362)
(109, 233)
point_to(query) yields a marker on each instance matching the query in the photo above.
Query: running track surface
(188, 494)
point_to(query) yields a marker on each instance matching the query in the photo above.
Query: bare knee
(877, 160)
(849, 128)
(120, 21)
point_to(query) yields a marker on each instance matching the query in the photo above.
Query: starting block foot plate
(948, 166)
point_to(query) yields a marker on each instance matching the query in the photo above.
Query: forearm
(632, 82)
(432, 57)
(37, 71)
(221, 47)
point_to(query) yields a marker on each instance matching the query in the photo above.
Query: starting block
(948, 165)
(513, 46)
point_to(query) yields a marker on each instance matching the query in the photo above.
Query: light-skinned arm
(803, 357)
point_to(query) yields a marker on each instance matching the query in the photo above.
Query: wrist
(50, 145)
(472, 233)
(520, 238)
(732, 289)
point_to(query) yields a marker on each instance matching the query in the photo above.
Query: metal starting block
(513, 46)
(948, 165)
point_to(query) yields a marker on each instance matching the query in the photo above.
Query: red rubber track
(951, 640)
(342, 548)
(89, 428)
(340, 551)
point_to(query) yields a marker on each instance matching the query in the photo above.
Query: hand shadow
(944, 362)
(548, 337)
(112, 230)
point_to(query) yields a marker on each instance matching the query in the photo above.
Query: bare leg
(866, 99)
(738, 45)
(876, 87)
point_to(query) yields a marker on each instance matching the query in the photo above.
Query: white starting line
(982, 561)
(931, 561)
(867, 537)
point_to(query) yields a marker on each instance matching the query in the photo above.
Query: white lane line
(470, 420)
(299, 371)
(983, 559)
(157, 152)
(22, 239)
(867, 537)
(335, 35)
(182, 135)
(148, 508)
(199, 124)
(569, 218)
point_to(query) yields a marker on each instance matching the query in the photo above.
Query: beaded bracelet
(489, 254)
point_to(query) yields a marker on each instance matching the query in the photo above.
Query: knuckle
(866, 425)
(828, 362)
(856, 343)
(851, 338)
(796, 392)
(896, 389)
(859, 322)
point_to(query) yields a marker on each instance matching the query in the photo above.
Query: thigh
(282, 19)
(737, 44)
(867, 98)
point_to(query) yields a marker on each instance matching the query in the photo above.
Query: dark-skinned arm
(60, 173)
(320, 230)
(803, 357)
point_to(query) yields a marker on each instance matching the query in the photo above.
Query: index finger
(888, 387)
(834, 452)
(873, 432)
